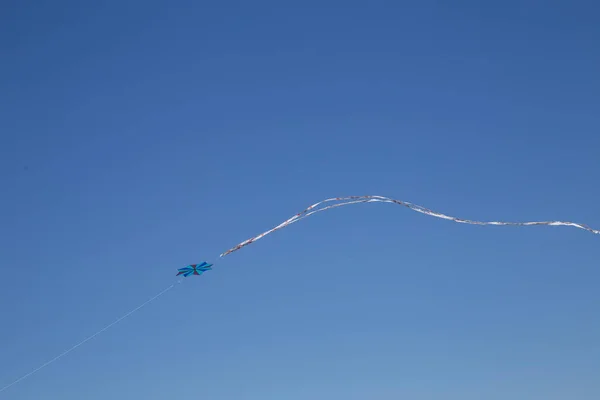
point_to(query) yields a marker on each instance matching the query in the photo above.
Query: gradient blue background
(140, 136)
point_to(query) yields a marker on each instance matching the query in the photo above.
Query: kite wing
(203, 267)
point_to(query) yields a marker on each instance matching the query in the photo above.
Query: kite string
(89, 337)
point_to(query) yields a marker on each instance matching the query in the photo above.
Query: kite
(349, 200)
(194, 269)
(324, 205)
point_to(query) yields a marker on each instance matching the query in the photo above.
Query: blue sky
(137, 137)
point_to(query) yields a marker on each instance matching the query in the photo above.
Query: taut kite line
(324, 205)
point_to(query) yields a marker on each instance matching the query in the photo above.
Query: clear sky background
(137, 137)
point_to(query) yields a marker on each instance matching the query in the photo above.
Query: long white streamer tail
(345, 201)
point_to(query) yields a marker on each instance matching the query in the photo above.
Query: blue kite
(194, 269)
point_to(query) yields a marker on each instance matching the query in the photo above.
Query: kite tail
(348, 200)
